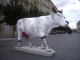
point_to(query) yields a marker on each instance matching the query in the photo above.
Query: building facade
(78, 26)
(43, 5)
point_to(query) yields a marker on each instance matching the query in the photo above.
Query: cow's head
(59, 19)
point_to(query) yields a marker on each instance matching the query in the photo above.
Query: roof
(78, 22)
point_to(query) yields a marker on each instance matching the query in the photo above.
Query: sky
(71, 10)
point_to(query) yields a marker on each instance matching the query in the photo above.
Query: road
(67, 47)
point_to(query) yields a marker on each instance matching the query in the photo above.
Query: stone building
(43, 5)
(78, 26)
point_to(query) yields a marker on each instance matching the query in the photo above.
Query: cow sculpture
(40, 27)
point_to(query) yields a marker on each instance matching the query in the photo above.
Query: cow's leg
(42, 45)
(19, 38)
(29, 42)
(45, 42)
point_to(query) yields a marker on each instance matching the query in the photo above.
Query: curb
(4, 39)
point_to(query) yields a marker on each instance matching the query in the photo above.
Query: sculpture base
(35, 50)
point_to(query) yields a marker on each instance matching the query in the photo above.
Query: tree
(0, 9)
(0, 12)
(34, 11)
(12, 12)
(67, 29)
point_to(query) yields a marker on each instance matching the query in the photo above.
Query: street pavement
(67, 47)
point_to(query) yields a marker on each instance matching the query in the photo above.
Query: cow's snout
(64, 24)
(67, 22)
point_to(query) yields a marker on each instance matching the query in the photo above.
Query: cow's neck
(50, 22)
(53, 25)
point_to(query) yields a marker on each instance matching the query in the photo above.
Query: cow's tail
(17, 25)
(19, 33)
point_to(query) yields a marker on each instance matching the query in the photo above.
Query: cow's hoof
(48, 51)
(30, 46)
(43, 48)
(19, 46)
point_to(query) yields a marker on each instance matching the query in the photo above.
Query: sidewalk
(3, 39)
(10, 38)
(14, 38)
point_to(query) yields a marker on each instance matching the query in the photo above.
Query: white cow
(40, 27)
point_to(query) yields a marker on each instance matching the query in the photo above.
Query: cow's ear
(54, 10)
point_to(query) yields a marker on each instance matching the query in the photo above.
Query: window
(19, 2)
(14, 3)
(7, 1)
(30, 1)
(47, 4)
(15, 28)
(42, 7)
(25, 7)
(42, 1)
(0, 0)
(4, 2)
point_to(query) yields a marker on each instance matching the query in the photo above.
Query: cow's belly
(31, 29)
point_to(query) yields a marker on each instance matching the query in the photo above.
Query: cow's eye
(59, 15)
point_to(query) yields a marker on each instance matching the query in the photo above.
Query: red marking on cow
(35, 46)
(25, 35)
